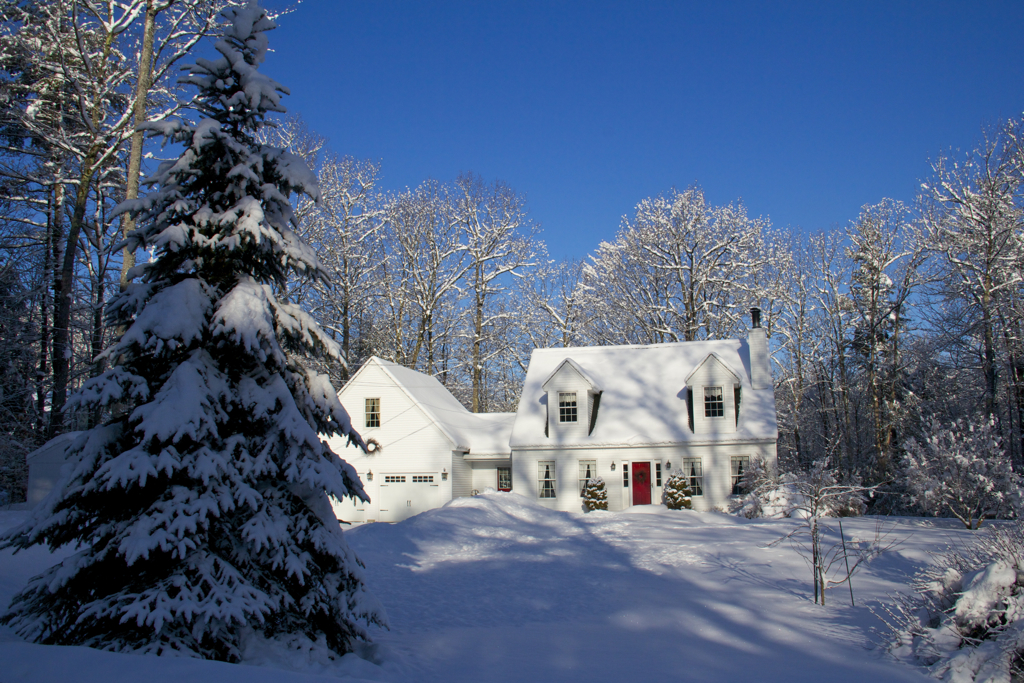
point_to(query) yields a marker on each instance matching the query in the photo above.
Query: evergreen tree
(595, 497)
(676, 493)
(201, 509)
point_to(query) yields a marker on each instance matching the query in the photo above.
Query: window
(588, 470)
(740, 465)
(657, 474)
(425, 479)
(625, 475)
(394, 479)
(714, 403)
(546, 477)
(566, 406)
(373, 412)
(504, 478)
(694, 473)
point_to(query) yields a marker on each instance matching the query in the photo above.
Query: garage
(403, 495)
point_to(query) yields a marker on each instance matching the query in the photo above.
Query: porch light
(369, 475)
(613, 465)
(668, 465)
(444, 474)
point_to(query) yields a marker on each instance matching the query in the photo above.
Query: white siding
(411, 442)
(713, 374)
(462, 476)
(714, 458)
(568, 380)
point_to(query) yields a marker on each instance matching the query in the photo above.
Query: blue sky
(805, 111)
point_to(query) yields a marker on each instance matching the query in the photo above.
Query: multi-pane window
(423, 479)
(566, 406)
(657, 474)
(504, 478)
(373, 412)
(546, 478)
(714, 402)
(394, 479)
(740, 465)
(588, 470)
(694, 473)
(625, 475)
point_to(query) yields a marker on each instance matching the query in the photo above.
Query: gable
(712, 368)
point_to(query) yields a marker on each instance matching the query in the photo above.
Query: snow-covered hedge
(676, 494)
(595, 497)
(965, 624)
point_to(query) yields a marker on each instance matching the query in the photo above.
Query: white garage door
(405, 495)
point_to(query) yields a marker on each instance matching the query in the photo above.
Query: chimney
(757, 340)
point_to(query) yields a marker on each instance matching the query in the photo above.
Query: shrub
(676, 493)
(595, 497)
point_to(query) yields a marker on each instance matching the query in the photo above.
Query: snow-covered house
(432, 448)
(632, 414)
(629, 414)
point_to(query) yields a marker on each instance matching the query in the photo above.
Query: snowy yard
(495, 588)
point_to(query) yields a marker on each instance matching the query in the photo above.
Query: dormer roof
(594, 386)
(713, 357)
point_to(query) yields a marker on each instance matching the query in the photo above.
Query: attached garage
(403, 495)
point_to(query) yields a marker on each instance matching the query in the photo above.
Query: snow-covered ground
(495, 588)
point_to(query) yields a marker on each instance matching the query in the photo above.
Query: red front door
(641, 483)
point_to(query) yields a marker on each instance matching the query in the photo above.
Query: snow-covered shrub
(768, 493)
(676, 493)
(961, 470)
(966, 621)
(200, 510)
(595, 497)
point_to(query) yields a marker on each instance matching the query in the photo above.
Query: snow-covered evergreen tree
(676, 493)
(595, 496)
(201, 510)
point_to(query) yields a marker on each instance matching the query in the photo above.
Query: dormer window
(567, 406)
(714, 402)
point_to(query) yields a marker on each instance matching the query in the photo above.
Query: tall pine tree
(201, 510)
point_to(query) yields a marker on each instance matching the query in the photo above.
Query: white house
(432, 448)
(629, 414)
(632, 414)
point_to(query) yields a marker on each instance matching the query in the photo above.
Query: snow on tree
(676, 493)
(201, 509)
(595, 497)
(961, 470)
(965, 621)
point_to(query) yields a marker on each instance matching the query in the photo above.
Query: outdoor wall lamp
(613, 465)
(369, 475)
(668, 465)
(444, 474)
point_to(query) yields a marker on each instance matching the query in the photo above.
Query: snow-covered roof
(579, 371)
(477, 433)
(643, 402)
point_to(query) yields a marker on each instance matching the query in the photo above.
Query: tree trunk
(135, 157)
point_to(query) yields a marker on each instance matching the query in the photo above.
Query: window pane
(504, 478)
(546, 478)
(588, 470)
(714, 403)
(373, 412)
(567, 406)
(694, 472)
(740, 465)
